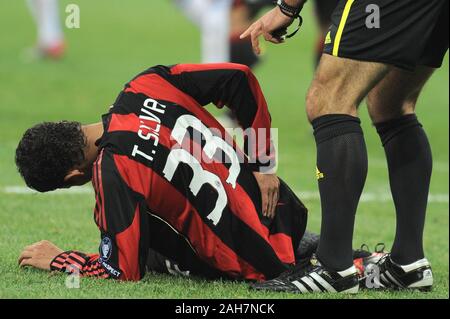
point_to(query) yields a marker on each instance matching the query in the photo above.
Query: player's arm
(122, 253)
(47, 256)
(278, 18)
(235, 86)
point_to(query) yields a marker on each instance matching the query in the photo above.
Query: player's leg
(213, 18)
(192, 9)
(215, 29)
(332, 101)
(391, 106)
(392, 109)
(50, 40)
(241, 50)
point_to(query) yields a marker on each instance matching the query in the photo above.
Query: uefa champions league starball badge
(106, 248)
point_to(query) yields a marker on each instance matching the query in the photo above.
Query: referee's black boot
(312, 278)
(386, 274)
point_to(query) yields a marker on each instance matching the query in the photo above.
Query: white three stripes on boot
(322, 282)
(388, 281)
(300, 287)
(309, 282)
(392, 279)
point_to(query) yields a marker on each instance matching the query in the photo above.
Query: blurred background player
(222, 21)
(50, 38)
(241, 15)
(213, 19)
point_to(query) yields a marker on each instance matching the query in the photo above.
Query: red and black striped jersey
(167, 178)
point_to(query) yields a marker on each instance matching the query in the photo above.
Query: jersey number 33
(200, 175)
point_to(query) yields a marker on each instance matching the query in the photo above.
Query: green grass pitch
(116, 41)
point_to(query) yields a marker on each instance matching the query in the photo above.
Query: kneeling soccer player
(201, 202)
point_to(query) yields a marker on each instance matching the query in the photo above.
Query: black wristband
(290, 11)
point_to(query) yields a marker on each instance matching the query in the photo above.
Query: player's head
(50, 155)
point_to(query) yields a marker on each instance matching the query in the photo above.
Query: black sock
(409, 161)
(341, 173)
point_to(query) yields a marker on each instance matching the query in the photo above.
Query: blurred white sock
(215, 28)
(213, 19)
(193, 9)
(46, 15)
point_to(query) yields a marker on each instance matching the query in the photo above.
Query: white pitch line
(438, 166)
(306, 195)
(375, 197)
(23, 190)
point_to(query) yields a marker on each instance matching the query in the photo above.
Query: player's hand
(269, 184)
(39, 255)
(271, 21)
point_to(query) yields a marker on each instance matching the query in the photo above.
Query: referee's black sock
(341, 173)
(409, 161)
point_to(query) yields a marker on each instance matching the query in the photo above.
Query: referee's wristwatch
(290, 11)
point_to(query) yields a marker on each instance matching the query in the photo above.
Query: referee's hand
(269, 184)
(268, 23)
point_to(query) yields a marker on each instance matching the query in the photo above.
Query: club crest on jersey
(106, 248)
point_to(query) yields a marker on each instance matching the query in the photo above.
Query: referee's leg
(391, 107)
(337, 89)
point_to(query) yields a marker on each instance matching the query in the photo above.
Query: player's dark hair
(48, 151)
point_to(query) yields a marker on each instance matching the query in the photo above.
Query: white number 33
(201, 176)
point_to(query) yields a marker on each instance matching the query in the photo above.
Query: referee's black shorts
(324, 9)
(408, 33)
